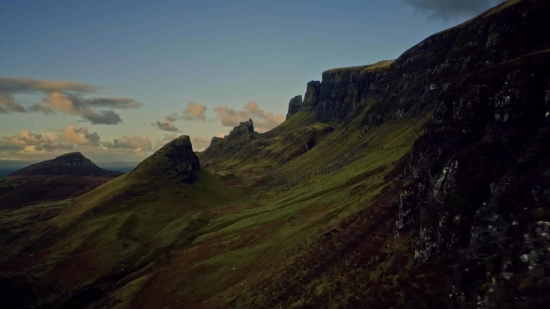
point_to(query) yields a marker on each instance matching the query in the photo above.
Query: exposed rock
(479, 178)
(294, 106)
(174, 161)
(235, 142)
(311, 99)
(243, 127)
(74, 164)
(414, 81)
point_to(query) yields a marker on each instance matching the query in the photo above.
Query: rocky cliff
(478, 184)
(311, 99)
(74, 164)
(414, 81)
(476, 189)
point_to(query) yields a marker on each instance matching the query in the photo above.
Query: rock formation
(294, 106)
(74, 164)
(174, 161)
(414, 81)
(310, 101)
(478, 182)
(477, 185)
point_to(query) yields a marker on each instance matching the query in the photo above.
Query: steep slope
(114, 230)
(478, 185)
(74, 164)
(424, 185)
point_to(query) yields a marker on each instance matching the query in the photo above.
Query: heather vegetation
(418, 183)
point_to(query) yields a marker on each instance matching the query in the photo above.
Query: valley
(406, 184)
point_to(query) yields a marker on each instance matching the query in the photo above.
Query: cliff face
(311, 99)
(416, 78)
(74, 164)
(476, 188)
(478, 184)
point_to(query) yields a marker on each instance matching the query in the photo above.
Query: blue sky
(165, 54)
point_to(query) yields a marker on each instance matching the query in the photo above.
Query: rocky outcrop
(74, 164)
(243, 128)
(294, 106)
(413, 82)
(175, 161)
(241, 135)
(311, 99)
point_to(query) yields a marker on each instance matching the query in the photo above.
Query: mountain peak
(175, 160)
(71, 155)
(72, 163)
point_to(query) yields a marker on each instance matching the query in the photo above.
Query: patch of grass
(364, 68)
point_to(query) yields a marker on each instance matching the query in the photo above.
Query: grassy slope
(253, 241)
(152, 243)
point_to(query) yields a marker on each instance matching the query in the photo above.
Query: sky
(118, 79)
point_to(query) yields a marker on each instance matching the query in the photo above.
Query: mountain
(416, 183)
(74, 164)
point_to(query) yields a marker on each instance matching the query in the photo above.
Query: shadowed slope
(73, 163)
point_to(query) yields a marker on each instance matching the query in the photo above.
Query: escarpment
(311, 99)
(478, 184)
(413, 82)
(476, 189)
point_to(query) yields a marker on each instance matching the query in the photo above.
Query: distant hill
(74, 164)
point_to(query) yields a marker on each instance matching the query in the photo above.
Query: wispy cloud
(167, 125)
(62, 96)
(194, 111)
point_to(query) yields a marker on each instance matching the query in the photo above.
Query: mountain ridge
(419, 183)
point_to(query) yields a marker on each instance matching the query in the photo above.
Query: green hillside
(419, 183)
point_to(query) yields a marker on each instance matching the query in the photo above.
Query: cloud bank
(62, 96)
(449, 9)
(31, 146)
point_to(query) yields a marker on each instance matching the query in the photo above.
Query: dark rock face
(186, 164)
(294, 106)
(74, 164)
(243, 127)
(476, 190)
(478, 185)
(340, 92)
(175, 161)
(310, 102)
(414, 81)
(311, 98)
